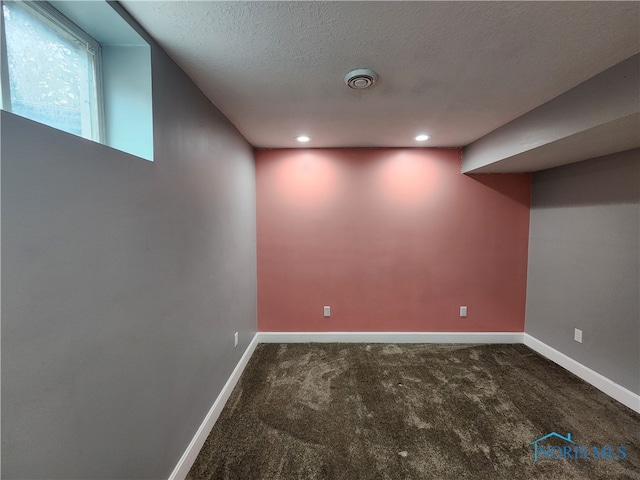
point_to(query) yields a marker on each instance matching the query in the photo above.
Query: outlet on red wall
(392, 239)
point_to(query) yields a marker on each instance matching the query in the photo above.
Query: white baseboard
(390, 337)
(189, 456)
(618, 392)
(602, 383)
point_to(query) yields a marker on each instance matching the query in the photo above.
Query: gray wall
(584, 255)
(123, 283)
(600, 116)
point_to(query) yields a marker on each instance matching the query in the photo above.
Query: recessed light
(303, 138)
(422, 137)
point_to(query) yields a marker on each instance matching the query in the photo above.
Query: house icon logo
(566, 439)
(566, 448)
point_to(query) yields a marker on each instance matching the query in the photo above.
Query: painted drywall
(123, 283)
(584, 254)
(128, 99)
(543, 137)
(391, 239)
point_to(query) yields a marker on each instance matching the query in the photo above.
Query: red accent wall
(391, 239)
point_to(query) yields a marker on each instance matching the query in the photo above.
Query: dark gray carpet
(400, 412)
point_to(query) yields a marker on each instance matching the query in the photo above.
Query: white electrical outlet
(327, 311)
(463, 311)
(577, 335)
(235, 339)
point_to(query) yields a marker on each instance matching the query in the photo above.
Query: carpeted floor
(401, 412)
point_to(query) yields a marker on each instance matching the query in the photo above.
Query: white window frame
(92, 122)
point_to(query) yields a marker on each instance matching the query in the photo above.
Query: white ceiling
(455, 70)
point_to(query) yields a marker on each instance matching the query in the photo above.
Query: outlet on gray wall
(110, 355)
(584, 263)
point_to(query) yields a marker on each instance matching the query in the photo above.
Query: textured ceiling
(455, 70)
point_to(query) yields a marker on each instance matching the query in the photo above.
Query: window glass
(52, 71)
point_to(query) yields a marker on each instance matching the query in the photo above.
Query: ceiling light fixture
(422, 137)
(360, 78)
(303, 138)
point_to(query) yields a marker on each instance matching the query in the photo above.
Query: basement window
(51, 71)
(79, 67)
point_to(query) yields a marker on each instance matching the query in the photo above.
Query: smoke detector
(360, 78)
